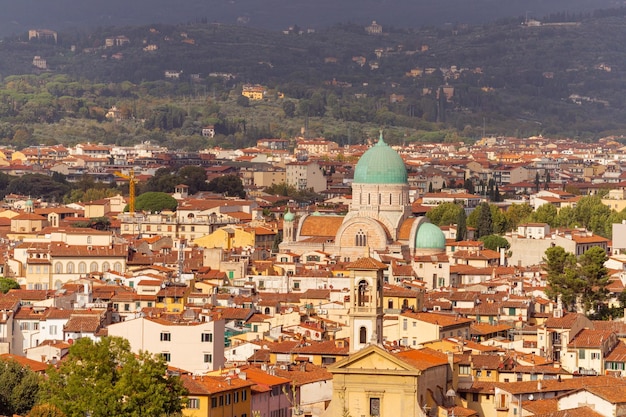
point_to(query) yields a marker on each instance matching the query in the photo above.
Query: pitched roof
(326, 226)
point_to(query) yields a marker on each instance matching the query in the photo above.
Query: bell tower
(366, 303)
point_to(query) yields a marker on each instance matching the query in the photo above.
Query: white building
(196, 346)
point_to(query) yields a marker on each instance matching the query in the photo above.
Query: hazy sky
(17, 16)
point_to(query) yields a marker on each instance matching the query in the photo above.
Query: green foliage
(19, 387)
(591, 269)
(289, 108)
(194, 177)
(445, 214)
(484, 222)
(243, 101)
(562, 279)
(229, 185)
(461, 226)
(46, 410)
(105, 378)
(7, 284)
(97, 223)
(282, 189)
(38, 186)
(546, 213)
(516, 213)
(155, 202)
(495, 242)
(579, 282)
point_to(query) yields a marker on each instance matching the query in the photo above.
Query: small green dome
(29, 203)
(289, 216)
(429, 236)
(316, 213)
(380, 165)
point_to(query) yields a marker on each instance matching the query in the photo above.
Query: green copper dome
(380, 165)
(289, 216)
(429, 236)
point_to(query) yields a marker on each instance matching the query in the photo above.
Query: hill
(563, 77)
(20, 15)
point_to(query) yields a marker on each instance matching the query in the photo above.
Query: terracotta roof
(208, 385)
(588, 338)
(83, 323)
(423, 359)
(564, 322)
(612, 394)
(34, 366)
(549, 405)
(618, 354)
(366, 263)
(554, 385)
(572, 412)
(326, 226)
(443, 320)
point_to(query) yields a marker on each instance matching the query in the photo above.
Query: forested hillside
(563, 77)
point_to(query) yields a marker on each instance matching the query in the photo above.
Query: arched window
(361, 297)
(117, 267)
(70, 267)
(82, 267)
(93, 267)
(362, 335)
(58, 268)
(105, 266)
(360, 238)
(267, 310)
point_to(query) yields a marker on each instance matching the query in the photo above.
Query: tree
(46, 410)
(537, 181)
(105, 378)
(515, 214)
(495, 242)
(289, 108)
(7, 284)
(194, 177)
(485, 222)
(591, 269)
(155, 202)
(229, 185)
(19, 387)
(545, 213)
(562, 280)
(243, 101)
(38, 185)
(445, 214)
(461, 226)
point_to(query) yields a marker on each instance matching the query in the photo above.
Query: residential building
(192, 345)
(218, 396)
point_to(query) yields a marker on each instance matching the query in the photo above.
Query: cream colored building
(52, 259)
(305, 176)
(413, 329)
(374, 382)
(195, 346)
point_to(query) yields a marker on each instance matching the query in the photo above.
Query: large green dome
(380, 165)
(429, 236)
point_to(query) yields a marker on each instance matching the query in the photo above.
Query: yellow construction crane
(131, 188)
